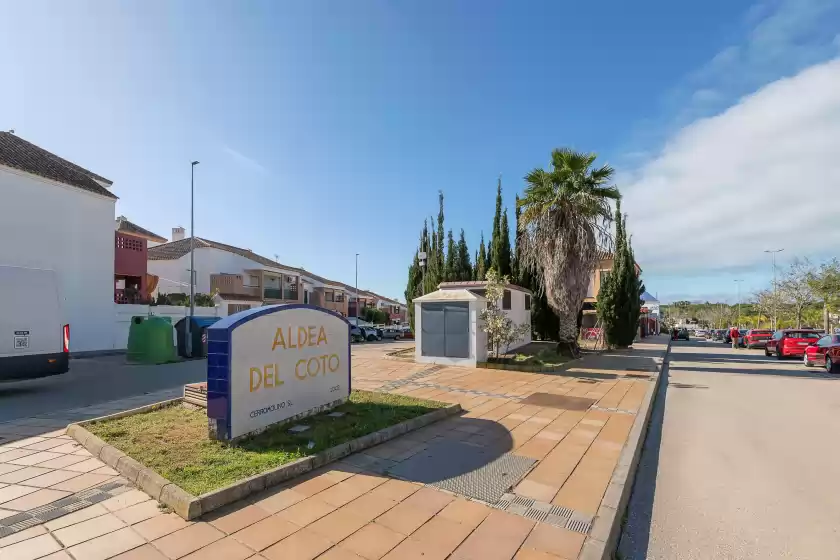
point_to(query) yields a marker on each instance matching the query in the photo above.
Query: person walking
(733, 334)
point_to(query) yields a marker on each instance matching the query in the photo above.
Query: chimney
(178, 233)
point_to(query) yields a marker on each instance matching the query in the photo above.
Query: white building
(448, 326)
(56, 215)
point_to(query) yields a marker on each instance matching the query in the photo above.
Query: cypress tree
(481, 261)
(464, 266)
(475, 267)
(619, 299)
(495, 235)
(440, 254)
(502, 256)
(450, 270)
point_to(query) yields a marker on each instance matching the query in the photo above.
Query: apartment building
(597, 278)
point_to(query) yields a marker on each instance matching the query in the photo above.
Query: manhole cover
(559, 401)
(470, 470)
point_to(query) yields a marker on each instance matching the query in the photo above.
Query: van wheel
(397, 338)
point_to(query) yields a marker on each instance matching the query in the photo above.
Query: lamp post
(738, 282)
(192, 260)
(357, 290)
(775, 296)
(422, 258)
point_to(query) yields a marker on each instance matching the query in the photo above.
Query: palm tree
(566, 216)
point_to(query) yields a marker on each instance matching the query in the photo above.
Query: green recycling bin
(150, 340)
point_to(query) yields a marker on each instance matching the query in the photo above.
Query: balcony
(232, 284)
(273, 293)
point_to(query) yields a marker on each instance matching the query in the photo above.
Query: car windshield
(804, 334)
(743, 331)
(760, 332)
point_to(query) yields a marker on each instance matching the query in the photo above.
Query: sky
(327, 128)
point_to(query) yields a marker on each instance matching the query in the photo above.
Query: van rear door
(32, 330)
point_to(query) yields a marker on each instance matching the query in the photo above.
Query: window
(824, 341)
(339, 297)
(605, 275)
(237, 307)
(251, 281)
(329, 296)
(527, 302)
(506, 300)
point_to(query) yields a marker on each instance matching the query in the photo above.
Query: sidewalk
(353, 509)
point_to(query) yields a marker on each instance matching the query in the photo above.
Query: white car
(700, 332)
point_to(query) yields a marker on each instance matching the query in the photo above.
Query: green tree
(502, 255)
(464, 266)
(825, 284)
(450, 271)
(440, 234)
(481, 261)
(619, 299)
(500, 328)
(495, 234)
(564, 210)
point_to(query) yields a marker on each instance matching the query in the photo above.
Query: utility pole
(357, 289)
(775, 294)
(738, 282)
(192, 260)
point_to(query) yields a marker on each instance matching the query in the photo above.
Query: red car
(816, 353)
(790, 342)
(757, 338)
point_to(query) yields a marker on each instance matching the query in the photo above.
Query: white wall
(478, 339)
(519, 315)
(45, 224)
(122, 314)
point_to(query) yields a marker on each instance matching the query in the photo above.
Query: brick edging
(189, 506)
(603, 538)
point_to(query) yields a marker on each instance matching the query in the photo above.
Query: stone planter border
(190, 507)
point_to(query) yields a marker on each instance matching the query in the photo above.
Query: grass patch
(173, 441)
(537, 354)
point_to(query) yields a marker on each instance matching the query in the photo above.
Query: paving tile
(50, 478)
(536, 490)
(301, 545)
(8, 455)
(396, 490)
(338, 525)
(235, 517)
(465, 512)
(34, 458)
(22, 443)
(62, 462)
(441, 536)
(531, 554)
(265, 533)
(227, 548)
(274, 501)
(370, 506)
(22, 535)
(47, 444)
(160, 526)
(366, 482)
(313, 485)
(31, 549)
(429, 500)
(373, 541)
(107, 546)
(76, 517)
(145, 552)
(23, 473)
(497, 538)
(7, 468)
(410, 549)
(35, 499)
(66, 447)
(187, 540)
(125, 499)
(338, 553)
(139, 512)
(307, 511)
(81, 481)
(85, 466)
(60, 555)
(82, 453)
(404, 519)
(14, 491)
(554, 540)
(86, 530)
(340, 494)
(106, 470)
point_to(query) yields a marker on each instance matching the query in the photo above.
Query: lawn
(173, 441)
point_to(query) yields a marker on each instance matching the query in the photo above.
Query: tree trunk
(825, 318)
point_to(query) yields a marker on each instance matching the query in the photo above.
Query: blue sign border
(219, 356)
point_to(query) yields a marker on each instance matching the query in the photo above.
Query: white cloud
(763, 174)
(245, 161)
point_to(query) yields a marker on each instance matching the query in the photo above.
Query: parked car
(356, 334)
(700, 333)
(682, 334)
(832, 359)
(408, 333)
(757, 338)
(815, 353)
(394, 333)
(790, 342)
(371, 335)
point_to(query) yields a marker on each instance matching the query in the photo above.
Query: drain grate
(638, 375)
(470, 470)
(562, 402)
(558, 516)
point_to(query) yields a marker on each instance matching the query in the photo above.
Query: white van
(34, 339)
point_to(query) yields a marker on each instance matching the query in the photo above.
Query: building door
(445, 329)
(306, 296)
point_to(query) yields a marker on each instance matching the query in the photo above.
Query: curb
(190, 507)
(602, 540)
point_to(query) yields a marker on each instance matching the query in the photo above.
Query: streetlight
(422, 258)
(357, 289)
(192, 258)
(738, 282)
(775, 297)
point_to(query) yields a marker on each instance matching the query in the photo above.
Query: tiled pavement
(349, 510)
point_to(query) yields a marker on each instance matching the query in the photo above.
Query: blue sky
(325, 129)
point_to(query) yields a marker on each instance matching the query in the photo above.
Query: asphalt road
(93, 381)
(741, 461)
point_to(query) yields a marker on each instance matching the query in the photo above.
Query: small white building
(58, 216)
(448, 326)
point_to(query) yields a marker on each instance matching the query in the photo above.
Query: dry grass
(173, 441)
